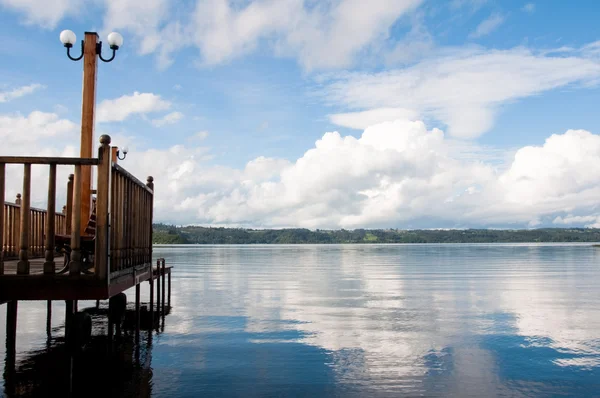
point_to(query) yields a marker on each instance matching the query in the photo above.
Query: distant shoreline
(169, 234)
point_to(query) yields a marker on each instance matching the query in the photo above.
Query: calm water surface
(348, 320)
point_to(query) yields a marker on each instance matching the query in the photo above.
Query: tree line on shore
(170, 234)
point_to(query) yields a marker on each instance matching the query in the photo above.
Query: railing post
(2, 221)
(18, 199)
(49, 265)
(23, 264)
(101, 258)
(69, 203)
(75, 263)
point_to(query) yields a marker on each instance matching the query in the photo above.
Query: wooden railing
(30, 235)
(131, 220)
(37, 229)
(123, 225)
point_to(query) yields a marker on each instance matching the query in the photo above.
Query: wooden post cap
(18, 196)
(105, 139)
(150, 179)
(71, 177)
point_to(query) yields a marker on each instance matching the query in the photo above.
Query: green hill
(168, 234)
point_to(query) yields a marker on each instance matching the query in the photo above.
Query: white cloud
(362, 120)
(37, 134)
(6, 96)
(39, 12)
(170, 118)
(201, 135)
(18, 132)
(529, 7)
(463, 88)
(121, 108)
(322, 34)
(397, 174)
(487, 26)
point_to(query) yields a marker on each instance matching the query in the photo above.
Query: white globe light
(67, 37)
(115, 40)
(125, 149)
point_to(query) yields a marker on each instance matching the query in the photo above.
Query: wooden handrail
(131, 177)
(43, 160)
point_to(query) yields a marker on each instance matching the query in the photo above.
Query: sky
(323, 114)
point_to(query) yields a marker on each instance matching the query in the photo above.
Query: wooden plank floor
(36, 265)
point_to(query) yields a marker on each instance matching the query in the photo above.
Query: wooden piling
(69, 307)
(158, 307)
(137, 313)
(163, 286)
(151, 281)
(169, 295)
(11, 333)
(49, 319)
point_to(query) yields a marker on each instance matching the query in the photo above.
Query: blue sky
(233, 96)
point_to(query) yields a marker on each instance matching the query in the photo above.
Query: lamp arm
(99, 52)
(69, 52)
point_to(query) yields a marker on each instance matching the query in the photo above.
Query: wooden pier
(78, 255)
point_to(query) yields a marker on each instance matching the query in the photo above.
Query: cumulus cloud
(170, 118)
(37, 134)
(39, 12)
(462, 88)
(487, 26)
(119, 109)
(319, 34)
(362, 120)
(397, 174)
(6, 96)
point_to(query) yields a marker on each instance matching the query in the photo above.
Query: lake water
(347, 320)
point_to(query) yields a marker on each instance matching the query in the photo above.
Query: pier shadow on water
(117, 368)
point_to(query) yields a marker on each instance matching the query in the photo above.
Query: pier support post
(169, 295)
(158, 286)
(11, 334)
(163, 286)
(137, 313)
(69, 310)
(49, 319)
(152, 301)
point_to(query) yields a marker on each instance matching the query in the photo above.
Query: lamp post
(91, 50)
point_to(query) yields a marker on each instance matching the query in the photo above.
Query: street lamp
(124, 151)
(91, 50)
(68, 38)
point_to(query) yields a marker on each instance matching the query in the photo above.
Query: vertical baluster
(2, 216)
(17, 227)
(121, 235)
(23, 264)
(49, 265)
(69, 204)
(113, 220)
(75, 263)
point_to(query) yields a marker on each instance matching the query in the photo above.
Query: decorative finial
(105, 139)
(71, 177)
(150, 179)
